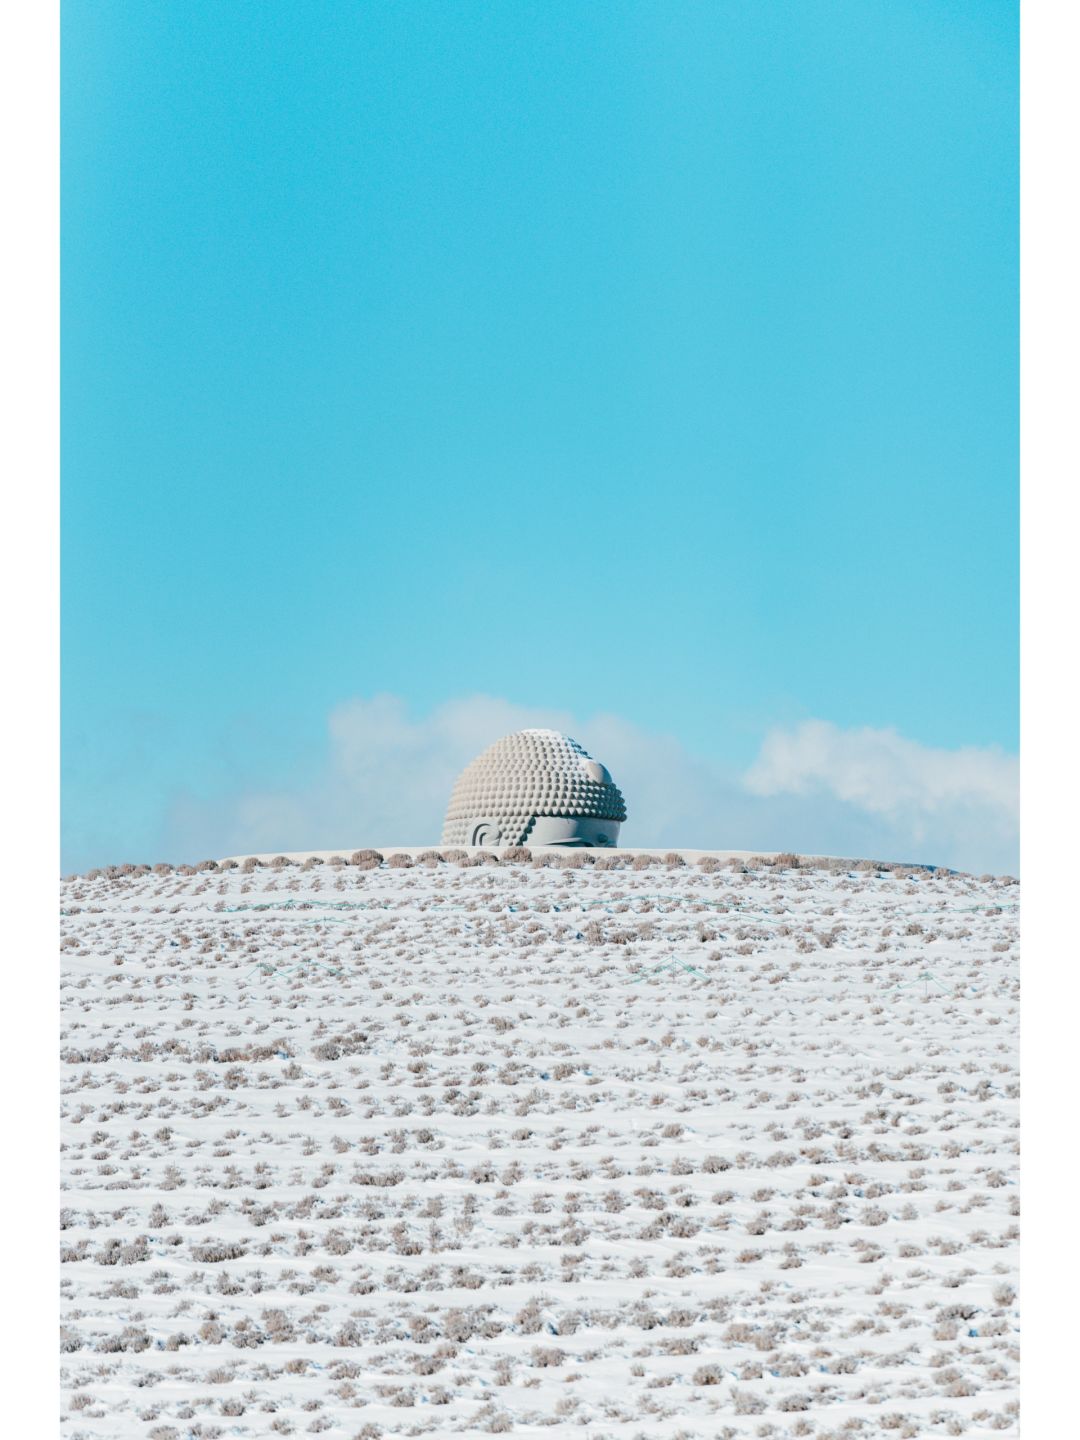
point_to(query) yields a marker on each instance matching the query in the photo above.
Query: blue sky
(655, 362)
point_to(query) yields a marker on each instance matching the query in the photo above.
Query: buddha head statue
(535, 787)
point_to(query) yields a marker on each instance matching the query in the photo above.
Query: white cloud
(386, 776)
(880, 771)
(963, 801)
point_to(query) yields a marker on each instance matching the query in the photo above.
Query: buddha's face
(565, 830)
(570, 830)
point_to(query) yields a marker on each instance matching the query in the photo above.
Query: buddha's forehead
(573, 830)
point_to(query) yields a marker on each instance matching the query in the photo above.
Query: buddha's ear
(485, 832)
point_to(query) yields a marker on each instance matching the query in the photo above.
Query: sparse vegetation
(412, 1145)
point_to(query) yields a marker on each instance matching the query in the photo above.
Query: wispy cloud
(963, 801)
(386, 776)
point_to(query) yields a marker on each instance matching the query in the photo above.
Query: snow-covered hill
(614, 1147)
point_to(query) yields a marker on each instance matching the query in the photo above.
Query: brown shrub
(708, 1375)
(544, 1357)
(366, 859)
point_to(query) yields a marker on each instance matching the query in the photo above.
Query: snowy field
(620, 1147)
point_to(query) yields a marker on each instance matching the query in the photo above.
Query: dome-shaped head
(537, 787)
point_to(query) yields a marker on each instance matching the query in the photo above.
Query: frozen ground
(446, 1149)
